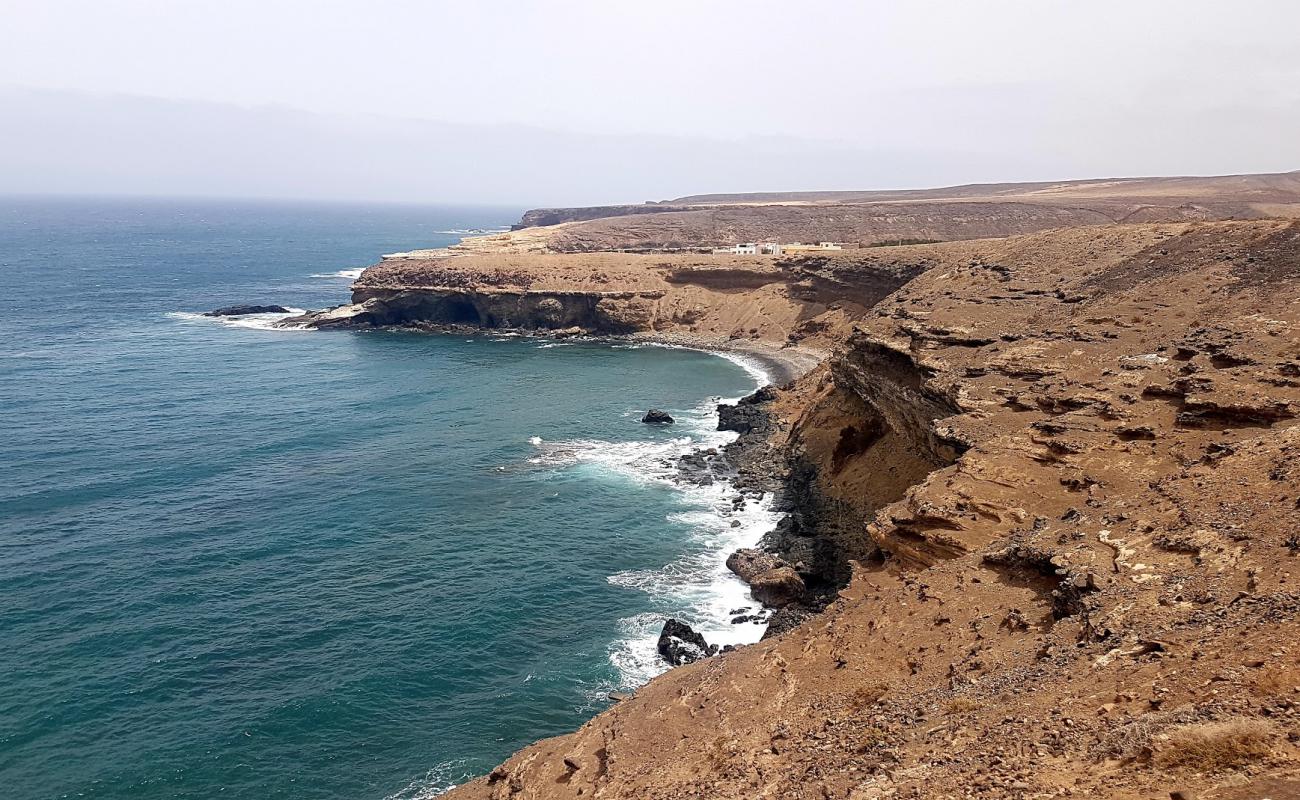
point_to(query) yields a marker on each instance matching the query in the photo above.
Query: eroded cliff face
(1062, 469)
(809, 300)
(604, 312)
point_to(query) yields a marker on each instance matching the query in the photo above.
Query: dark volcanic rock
(786, 619)
(656, 417)
(680, 644)
(698, 467)
(239, 311)
(747, 415)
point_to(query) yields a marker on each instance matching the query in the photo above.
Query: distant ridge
(1286, 185)
(971, 211)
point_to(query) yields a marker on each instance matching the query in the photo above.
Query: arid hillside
(866, 218)
(1283, 187)
(1062, 472)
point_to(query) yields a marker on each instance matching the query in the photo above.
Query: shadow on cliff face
(862, 443)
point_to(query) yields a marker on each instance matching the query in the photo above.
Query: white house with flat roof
(751, 249)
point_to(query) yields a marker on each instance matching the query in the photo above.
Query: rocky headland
(1043, 529)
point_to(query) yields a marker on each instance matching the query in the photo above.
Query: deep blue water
(254, 563)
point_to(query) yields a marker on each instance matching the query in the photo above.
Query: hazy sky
(395, 99)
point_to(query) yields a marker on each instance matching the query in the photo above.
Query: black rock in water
(239, 311)
(680, 644)
(656, 417)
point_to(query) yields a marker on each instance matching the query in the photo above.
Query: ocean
(247, 562)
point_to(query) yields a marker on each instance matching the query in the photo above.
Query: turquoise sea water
(251, 563)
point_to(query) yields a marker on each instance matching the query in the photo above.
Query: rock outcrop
(777, 587)
(679, 644)
(656, 417)
(244, 310)
(748, 562)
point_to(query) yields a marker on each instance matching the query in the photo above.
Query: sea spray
(253, 321)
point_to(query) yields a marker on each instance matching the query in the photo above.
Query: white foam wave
(697, 587)
(434, 783)
(350, 274)
(263, 322)
(473, 231)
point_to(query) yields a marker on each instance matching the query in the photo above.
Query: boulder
(748, 414)
(748, 563)
(680, 644)
(239, 311)
(656, 417)
(777, 587)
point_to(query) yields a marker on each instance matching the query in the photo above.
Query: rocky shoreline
(785, 577)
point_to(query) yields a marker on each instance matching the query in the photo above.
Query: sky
(594, 101)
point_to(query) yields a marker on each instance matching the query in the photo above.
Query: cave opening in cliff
(460, 312)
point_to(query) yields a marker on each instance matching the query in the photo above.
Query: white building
(797, 247)
(751, 249)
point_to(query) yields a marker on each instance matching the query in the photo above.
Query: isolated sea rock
(239, 311)
(680, 644)
(656, 417)
(777, 587)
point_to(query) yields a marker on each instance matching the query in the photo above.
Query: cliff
(810, 301)
(1059, 472)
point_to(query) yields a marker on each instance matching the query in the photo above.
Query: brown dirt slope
(1080, 572)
